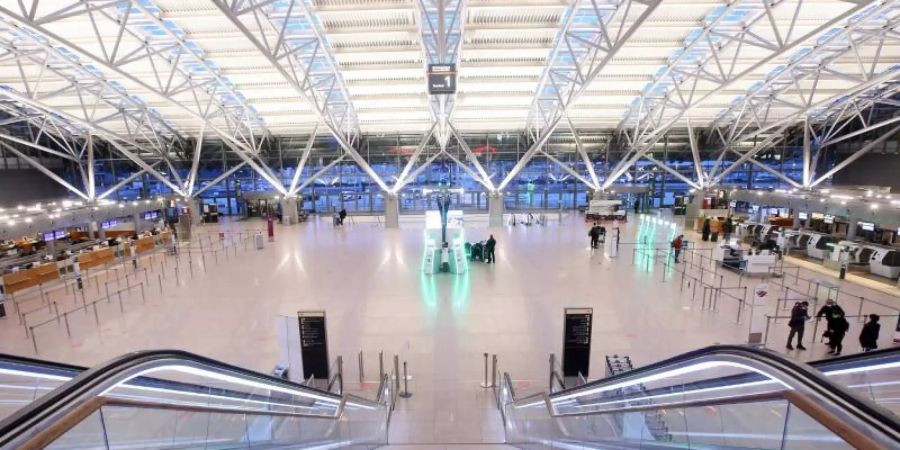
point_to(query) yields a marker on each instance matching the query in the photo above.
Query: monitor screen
(48, 236)
(802, 216)
(828, 219)
(867, 226)
(60, 234)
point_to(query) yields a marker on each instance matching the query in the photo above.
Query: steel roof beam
(658, 113)
(579, 55)
(288, 36)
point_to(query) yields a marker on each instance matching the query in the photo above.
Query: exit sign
(441, 79)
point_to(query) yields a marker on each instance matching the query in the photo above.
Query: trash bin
(260, 243)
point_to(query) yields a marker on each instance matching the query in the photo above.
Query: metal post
(143, 295)
(159, 277)
(766, 334)
(66, 320)
(494, 371)
(191, 267)
(552, 366)
(96, 316)
(719, 293)
(485, 384)
(56, 307)
(362, 376)
(405, 393)
(859, 313)
(34, 341)
(380, 366)
(121, 305)
(396, 373)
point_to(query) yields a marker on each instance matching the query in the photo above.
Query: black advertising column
(577, 342)
(313, 344)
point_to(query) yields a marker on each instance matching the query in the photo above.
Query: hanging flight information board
(313, 344)
(441, 79)
(576, 356)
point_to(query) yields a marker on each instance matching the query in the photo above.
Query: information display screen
(577, 341)
(828, 219)
(313, 344)
(802, 216)
(867, 226)
(441, 79)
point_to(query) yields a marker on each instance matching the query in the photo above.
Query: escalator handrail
(40, 364)
(869, 413)
(72, 391)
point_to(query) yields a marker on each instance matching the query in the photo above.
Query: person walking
(799, 316)
(868, 337)
(489, 246)
(837, 331)
(727, 228)
(705, 230)
(342, 215)
(595, 235)
(677, 244)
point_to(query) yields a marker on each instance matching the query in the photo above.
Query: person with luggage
(706, 230)
(677, 244)
(595, 235)
(836, 332)
(799, 316)
(868, 338)
(342, 215)
(489, 246)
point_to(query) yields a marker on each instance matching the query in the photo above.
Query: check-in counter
(144, 245)
(23, 279)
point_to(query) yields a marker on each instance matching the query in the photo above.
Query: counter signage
(576, 357)
(441, 79)
(313, 344)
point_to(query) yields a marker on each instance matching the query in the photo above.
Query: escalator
(174, 399)
(720, 397)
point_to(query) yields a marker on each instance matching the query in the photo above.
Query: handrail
(84, 410)
(810, 379)
(24, 421)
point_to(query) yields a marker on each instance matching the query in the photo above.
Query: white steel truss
(795, 92)
(591, 35)
(129, 39)
(288, 35)
(712, 57)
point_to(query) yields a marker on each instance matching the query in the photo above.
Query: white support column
(495, 209)
(392, 210)
(196, 211)
(289, 213)
(851, 228)
(693, 209)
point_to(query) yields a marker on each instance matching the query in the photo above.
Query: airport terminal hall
(450, 224)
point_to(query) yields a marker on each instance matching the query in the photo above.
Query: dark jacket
(728, 226)
(490, 244)
(838, 327)
(830, 312)
(868, 338)
(595, 232)
(798, 316)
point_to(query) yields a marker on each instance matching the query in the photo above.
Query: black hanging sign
(313, 344)
(577, 342)
(441, 79)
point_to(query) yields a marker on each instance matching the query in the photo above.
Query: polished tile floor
(369, 281)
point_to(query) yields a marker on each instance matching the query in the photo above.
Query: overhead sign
(313, 344)
(576, 357)
(441, 79)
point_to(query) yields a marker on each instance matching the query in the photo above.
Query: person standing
(489, 246)
(342, 215)
(595, 235)
(836, 333)
(799, 316)
(727, 228)
(830, 312)
(706, 230)
(637, 206)
(677, 244)
(868, 338)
